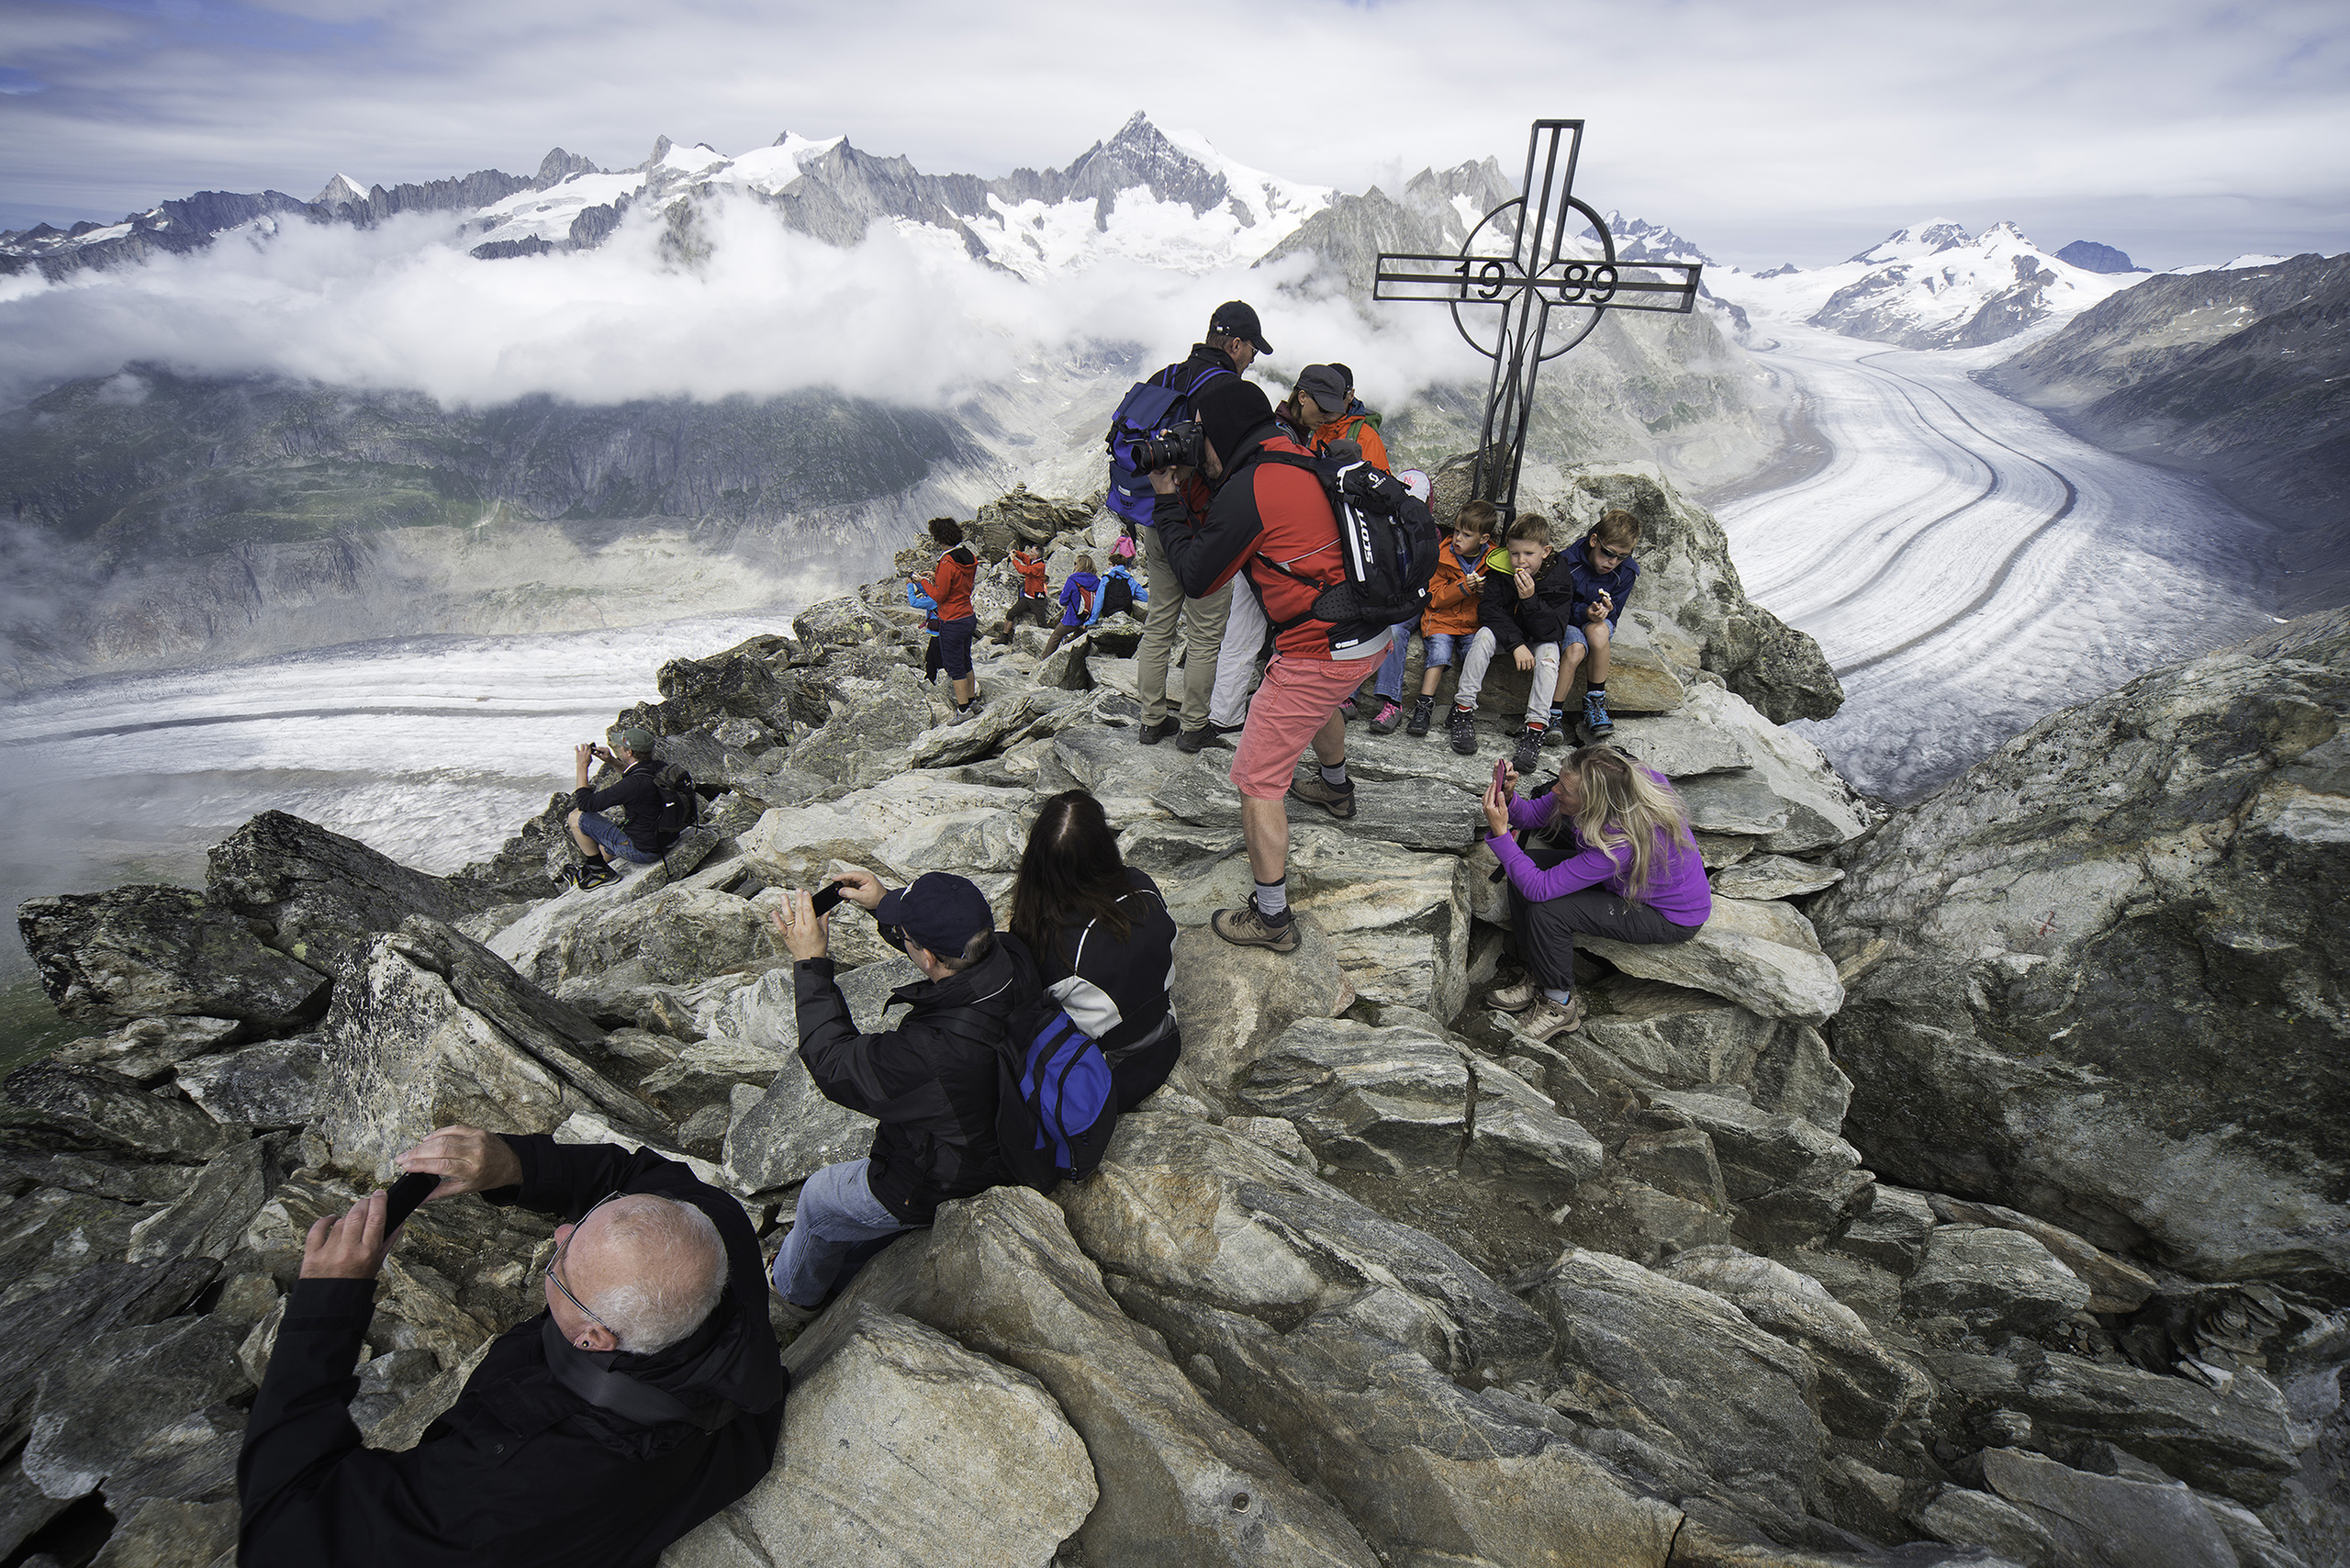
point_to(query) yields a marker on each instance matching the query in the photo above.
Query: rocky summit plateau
(1971, 1192)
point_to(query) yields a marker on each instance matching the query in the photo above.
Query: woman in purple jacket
(1608, 853)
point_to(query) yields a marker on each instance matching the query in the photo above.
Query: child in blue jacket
(1600, 564)
(1078, 595)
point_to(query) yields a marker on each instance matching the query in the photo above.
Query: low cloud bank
(904, 316)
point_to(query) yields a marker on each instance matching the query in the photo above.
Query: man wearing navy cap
(931, 1081)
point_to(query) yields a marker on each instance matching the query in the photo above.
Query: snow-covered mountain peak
(1921, 239)
(341, 191)
(1638, 240)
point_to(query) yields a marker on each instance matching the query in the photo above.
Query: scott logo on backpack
(1387, 540)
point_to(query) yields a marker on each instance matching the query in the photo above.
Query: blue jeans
(837, 1211)
(614, 838)
(1438, 647)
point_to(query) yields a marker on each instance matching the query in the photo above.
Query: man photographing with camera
(647, 1396)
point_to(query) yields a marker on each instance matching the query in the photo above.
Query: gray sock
(1560, 997)
(1333, 777)
(1272, 900)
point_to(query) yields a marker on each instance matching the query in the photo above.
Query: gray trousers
(1200, 622)
(1481, 649)
(1546, 931)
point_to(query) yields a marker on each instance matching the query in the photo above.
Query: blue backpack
(1055, 1106)
(1148, 407)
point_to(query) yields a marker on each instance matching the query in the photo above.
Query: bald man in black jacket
(566, 1447)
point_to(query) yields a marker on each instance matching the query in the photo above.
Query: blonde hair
(1621, 807)
(1085, 562)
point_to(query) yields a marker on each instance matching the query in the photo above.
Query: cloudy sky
(2182, 130)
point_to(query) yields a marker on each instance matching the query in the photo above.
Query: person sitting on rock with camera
(930, 1081)
(637, 792)
(1609, 854)
(644, 1398)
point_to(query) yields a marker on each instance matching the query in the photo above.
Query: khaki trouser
(1202, 623)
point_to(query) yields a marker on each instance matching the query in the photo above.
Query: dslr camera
(1179, 445)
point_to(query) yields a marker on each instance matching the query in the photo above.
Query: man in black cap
(931, 1081)
(1235, 339)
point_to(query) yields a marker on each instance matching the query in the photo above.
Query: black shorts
(954, 647)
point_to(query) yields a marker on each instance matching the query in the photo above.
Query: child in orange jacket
(1450, 620)
(1034, 602)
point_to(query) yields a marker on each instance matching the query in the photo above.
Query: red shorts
(1295, 699)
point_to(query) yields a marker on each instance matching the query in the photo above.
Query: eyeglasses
(556, 1280)
(1600, 552)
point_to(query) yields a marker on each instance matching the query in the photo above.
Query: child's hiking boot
(1248, 926)
(1338, 800)
(1347, 710)
(1422, 710)
(1390, 717)
(1462, 728)
(1594, 714)
(595, 874)
(1529, 750)
(1556, 735)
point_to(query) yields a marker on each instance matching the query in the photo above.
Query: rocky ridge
(1374, 1280)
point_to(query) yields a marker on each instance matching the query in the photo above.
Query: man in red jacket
(1271, 521)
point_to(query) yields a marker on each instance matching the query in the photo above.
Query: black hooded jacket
(520, 1472)
(931, 1081)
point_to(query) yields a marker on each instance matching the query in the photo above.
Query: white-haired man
(647, 1396)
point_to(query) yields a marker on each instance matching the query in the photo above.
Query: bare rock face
(326, 896)
(137, 951)
(2100, 978)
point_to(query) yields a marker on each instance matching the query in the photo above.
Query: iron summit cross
(1536, 277)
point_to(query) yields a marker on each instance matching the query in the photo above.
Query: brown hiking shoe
(1338, 800)
(1514, 998)
(1248, 927)
(1545, 1018)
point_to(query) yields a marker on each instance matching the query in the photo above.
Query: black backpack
(680, 805)
(1387, 539)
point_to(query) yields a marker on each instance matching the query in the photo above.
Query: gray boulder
(274, 1084)
(139, 950)
(2106, 1521)
(1891, 1232)
(1414, 814)
(328, 897)
(1182, 1485)
(42, 1325)
(1964, 1518)
(146, 1049)
(1822, 809)
(1774, 877)
(1654, 1035)
(82, 1108)
(210, 1220)
(2114, 1286)
(2091, 980)
(1792, 1183)
(902, 1450)
(435, 1029)
(1233, 1003)
(1680, 1363)
(97, 1408)
(1760, 954)
(1996, 1281)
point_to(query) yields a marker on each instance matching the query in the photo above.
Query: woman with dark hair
(949, 588)
(1102, 939)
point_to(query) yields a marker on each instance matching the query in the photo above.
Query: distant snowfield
(1968, 567)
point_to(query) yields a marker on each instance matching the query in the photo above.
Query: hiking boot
(1248, 927)
(1557, 734)
(1514, 998)
(1338, 800)
(1347, 710)
(595, 874)
(1191, 742)
(1154, 734)
(1421, 710)
(1528, 753)
(1545, 1018)
(963, 715)
(1390, 717)
(1595, 713)
(1462, 728)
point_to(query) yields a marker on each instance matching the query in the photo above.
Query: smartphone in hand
(406, 1194)
(1501, 778)
(826, 897)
